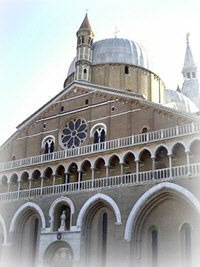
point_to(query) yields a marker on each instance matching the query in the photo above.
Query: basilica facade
(107, 173)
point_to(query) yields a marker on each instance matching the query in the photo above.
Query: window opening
(103, 136)
(86, 101)
(49, 146)
(44, 125)
(188, 75)
(126, 70)
(62, 108)
(104, 238)
(154, 235)
(193, 75)
(85, 70)
(35, 239)
(113, 108)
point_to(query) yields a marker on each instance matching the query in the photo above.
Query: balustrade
(132, 179)
(105, 146)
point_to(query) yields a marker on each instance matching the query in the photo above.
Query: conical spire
(85, 24)
(189, 64)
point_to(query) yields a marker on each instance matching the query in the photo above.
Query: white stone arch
(78, 164)
(21, 173)
(37, 169)
(160, 145)
(193, 139)
(148, 194)
(92, 200)
(57, 166)
(11, 175)
(44, 169)
(117, 155)
(87, 159)
(103, 125)
(175, 143)
(3, 224)
(64, 200)
(126, 153)
(2, 176)
(143, 149)
(46, 138)
(101, 157)
(24, 207)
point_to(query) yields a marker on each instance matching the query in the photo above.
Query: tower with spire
(190, 86)
(85, 38)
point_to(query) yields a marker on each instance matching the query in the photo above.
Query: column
(153, 166)
(79, 179)
(54, 182)
(18, 188)
(66, 180)
(188, 161)
(107, 170)
(92, 168)
(122, 171)
(42, 183)
(170, 165)
(9, 187)
(137, 170)
(29, 186)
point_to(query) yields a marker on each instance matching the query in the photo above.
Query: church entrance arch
(26, 226)
(98, 234)
(58, 254)
(156, 220)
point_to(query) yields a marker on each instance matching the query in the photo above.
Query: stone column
(153, 166)
(137, 170)
(42, 183)
(9, 187)
(29, 186)
(18, 187)
(79, 179)
(188, 161)
(107, 170)
(122, 167)
(170, 165)
(92, 168)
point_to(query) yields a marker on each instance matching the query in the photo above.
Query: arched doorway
(26, 226)
(58, 254)
(157, 235)
(98, 235)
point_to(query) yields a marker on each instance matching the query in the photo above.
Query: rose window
(74, 133)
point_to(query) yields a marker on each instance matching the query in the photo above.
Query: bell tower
(190, 86)
(85, 38)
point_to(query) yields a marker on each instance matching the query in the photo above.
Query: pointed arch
(64, 200)
(27, 205)
(147, 195)
(92, 200)
(5, 236)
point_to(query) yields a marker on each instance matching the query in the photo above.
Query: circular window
(73, 134)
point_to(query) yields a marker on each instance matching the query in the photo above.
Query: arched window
(85, 71)
(154, 247)
(98, 132)
(104, 238)
(186, 244)
(48, 144)
(144, 130)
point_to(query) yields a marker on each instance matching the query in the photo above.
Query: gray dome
(117, 50)
(179, 101)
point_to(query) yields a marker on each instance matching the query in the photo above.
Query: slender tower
(190, 86)
(85, 38)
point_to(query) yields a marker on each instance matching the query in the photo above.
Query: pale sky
(38, 42)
